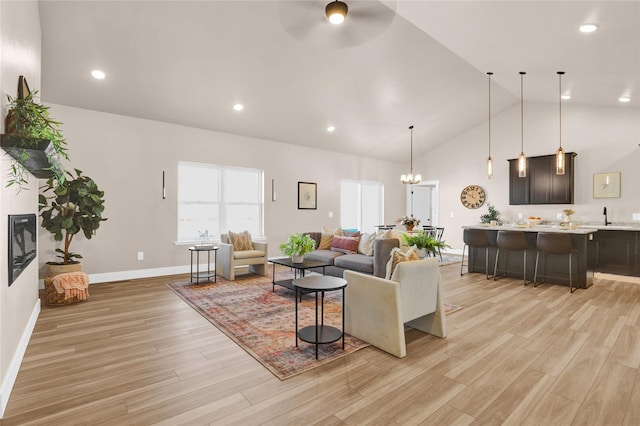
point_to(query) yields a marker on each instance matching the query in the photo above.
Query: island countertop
(537, 228)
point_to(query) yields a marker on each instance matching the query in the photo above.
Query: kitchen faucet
(606, 222)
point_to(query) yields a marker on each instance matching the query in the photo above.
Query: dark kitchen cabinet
(542, 185)
(616, 252)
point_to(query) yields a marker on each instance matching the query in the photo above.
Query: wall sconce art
(606, 185)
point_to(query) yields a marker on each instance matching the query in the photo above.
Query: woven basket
(52, 297)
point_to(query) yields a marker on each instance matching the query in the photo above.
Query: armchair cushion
(241, 241)
(247, 254)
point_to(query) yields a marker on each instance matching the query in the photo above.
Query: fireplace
(22, 243)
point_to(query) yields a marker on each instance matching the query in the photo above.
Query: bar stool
(511, 240)
(476, 238)
(557, 244)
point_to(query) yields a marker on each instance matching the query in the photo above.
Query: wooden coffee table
(299, 269)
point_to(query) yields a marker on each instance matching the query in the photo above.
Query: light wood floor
(137, 354)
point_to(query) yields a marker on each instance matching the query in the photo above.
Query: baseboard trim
(16, 361)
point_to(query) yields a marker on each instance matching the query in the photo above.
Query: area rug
(262, 322)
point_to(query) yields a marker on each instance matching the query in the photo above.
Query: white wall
(605, 139)
(126, 157)
(19, 304)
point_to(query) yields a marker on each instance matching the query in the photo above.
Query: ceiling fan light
(336, 12)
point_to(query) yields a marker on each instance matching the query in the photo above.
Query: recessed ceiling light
(588, 28)
(624, 99)
(566, 97)
(331, 128)
(97, 74)
(238, 107)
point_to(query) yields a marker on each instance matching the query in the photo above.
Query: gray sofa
(373, 265)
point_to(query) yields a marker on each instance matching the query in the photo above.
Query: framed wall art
(606, 185)
(307, 196)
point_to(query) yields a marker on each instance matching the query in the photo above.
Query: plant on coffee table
(297, 246)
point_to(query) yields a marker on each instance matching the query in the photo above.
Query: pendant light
(560, 151)
(522, 159)
(411, 179)
(489, 159)
(336, 12)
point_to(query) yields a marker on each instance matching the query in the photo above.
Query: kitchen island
(552, 269)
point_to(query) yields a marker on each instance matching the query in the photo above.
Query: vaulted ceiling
(390, 65)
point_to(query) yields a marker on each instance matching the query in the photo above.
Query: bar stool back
(511, 240)
(558, 244)
(476, 238)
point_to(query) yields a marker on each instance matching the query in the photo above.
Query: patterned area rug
(262, 322)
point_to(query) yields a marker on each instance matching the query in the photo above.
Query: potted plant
(32, 138)
(424, 242)
(68, 207)
(297, 246)
(408, 222)
(492, 216)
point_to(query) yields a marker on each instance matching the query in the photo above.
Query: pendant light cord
(411, 151)
(560, 102)
(489, 74)
(521, 113)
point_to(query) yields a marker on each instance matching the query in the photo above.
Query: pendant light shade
(336, 12)
(489, 159)
(411, 179)
(522, 159)
(560, 151)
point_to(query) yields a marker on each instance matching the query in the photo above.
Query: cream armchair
(376, 309)
(227, 258)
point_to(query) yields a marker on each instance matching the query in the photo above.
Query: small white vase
(422, 253)
(297, 259)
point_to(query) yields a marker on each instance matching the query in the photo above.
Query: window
(360, 205)
(218, 199)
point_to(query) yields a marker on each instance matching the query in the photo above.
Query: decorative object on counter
(522, 159)
(560, 152)
(408, 222)
(426, 243)
(68, 207)
(606, 185)
(307, 196)
(297, 246)
(567, 213)
(411, 179)
(533, 221)
(493, 215)
(472, 196)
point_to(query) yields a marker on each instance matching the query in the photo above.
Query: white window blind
(217, 199)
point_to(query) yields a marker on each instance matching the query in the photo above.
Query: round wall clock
(472, 197)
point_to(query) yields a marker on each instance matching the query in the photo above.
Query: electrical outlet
(559, 216)
(330, 214)
(451, 215)
(635, 216)
(140, 255)
(520, 215)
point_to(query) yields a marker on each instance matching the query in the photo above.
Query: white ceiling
(389, 66)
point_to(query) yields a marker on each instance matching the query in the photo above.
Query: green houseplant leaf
(68, 207)
(423, 240)
(298, 245)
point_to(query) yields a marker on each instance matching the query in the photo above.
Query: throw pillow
(345, 244)
(398, 256)
(366, 244)
(326, 238)
(350, 233)
(241, 241)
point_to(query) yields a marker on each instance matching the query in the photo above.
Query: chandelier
(411, 179)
